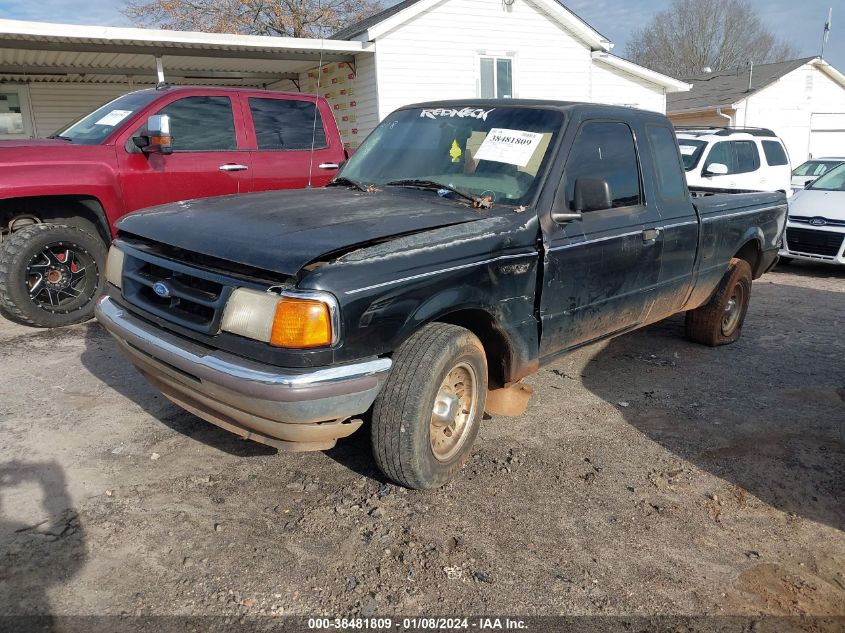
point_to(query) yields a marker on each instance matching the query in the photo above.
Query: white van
(744, 159)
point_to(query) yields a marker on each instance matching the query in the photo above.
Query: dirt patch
(648, 476)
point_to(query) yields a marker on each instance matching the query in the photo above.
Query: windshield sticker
(114, 117)
(514, 147)
(688, 150)
(473, 113)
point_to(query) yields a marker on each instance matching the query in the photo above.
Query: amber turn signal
(301, 323)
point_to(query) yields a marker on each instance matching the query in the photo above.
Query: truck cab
(60, 197)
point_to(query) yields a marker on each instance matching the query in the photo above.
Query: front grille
(813, 242)
(806, 219)
(196, 297)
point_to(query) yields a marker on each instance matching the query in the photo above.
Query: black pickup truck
(462, 247)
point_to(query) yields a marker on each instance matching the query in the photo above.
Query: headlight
(114, 267)
(291, 319)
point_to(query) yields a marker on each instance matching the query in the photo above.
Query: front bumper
(794, 250)
(291, 409)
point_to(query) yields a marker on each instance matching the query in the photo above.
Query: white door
(14, 113)
(827, 135)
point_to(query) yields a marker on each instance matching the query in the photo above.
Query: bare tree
(292, 18)
(693, 34)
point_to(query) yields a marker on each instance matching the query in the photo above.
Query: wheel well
(494, 341)
(751, 253)
(83, 212)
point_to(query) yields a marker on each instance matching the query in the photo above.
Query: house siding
(435, 55)
(54, 105)
(613, 86)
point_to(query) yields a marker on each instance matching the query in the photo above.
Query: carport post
(159, 70)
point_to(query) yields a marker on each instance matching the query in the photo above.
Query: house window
(496, 78)
(12, 123)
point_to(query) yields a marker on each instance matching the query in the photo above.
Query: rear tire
(719, 321)
(427, 416)
(50, 275)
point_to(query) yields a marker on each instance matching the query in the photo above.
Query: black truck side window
(605, 149)
(286, 124)
(670, 181)
(201, 124)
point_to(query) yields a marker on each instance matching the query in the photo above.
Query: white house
(802, 100)
(417, 50)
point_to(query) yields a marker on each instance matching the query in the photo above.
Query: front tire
(427, 416)
(719, 321)
(50, 275)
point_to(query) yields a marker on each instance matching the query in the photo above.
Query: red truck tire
(50, 275)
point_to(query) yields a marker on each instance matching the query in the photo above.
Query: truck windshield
(498, 153)
(691, 151)
(834, 180)
(96, 127)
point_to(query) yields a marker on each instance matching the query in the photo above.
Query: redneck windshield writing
(96, 127)
(496, 152)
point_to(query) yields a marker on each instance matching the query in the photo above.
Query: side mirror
(591, 194)
(715, 169)
(157, 140)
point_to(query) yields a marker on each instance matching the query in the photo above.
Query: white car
(812, 169)
(815, 228)
(744, 159)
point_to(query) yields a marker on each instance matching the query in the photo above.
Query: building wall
(703, 119)
(436, 55)
(54, 104)
(613, 86)
(790, 105)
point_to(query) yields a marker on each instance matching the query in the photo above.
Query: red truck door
(280, 129)
(209, 155)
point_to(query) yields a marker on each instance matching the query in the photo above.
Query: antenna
(826, 32)
(316, 104)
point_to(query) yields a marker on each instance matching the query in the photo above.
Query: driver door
(601, 270)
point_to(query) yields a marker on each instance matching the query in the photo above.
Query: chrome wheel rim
(453, 411)
(733, 310)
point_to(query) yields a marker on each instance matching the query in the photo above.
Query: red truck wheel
(427, 416)
(50, 275)
(719, 321)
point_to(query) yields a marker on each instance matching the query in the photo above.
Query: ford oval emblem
(818, 221)
(161, 289)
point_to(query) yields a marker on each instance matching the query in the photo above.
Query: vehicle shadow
(44, 550)
(765, 414)
(103, 358)
(816, 270)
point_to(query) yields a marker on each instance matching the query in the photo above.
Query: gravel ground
(649, 476)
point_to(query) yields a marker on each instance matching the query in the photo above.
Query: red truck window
(286, 124)
(202, 124)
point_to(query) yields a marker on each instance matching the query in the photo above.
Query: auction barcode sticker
(514, 147)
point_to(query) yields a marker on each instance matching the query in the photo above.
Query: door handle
(650, 235)
(328, 166)
(233, 167)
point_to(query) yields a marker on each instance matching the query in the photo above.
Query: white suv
(745, 159)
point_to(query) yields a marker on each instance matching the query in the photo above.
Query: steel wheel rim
(57, 278)
(453, 411)
(733, 310)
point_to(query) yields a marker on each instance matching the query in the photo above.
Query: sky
(800, 23)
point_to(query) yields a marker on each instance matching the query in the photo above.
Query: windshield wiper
(64, 138)
(343, 180)
(434, 186)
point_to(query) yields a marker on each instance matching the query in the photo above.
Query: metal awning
(38, 51)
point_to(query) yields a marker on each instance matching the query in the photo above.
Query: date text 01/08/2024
(416, 624)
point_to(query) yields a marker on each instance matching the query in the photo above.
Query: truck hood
(282, 231)
(34, 142)
(816, 203)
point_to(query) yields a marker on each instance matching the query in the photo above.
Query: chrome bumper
(292, 409)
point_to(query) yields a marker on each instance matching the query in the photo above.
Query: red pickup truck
(61, 196)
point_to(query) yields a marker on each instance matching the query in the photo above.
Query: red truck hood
(34, 142)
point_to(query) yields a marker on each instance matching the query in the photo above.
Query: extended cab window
(605, 149)
(286, 124)
(201, 124)
(670, 180)
(775, 155)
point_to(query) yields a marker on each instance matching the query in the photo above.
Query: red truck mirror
(157, 139)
